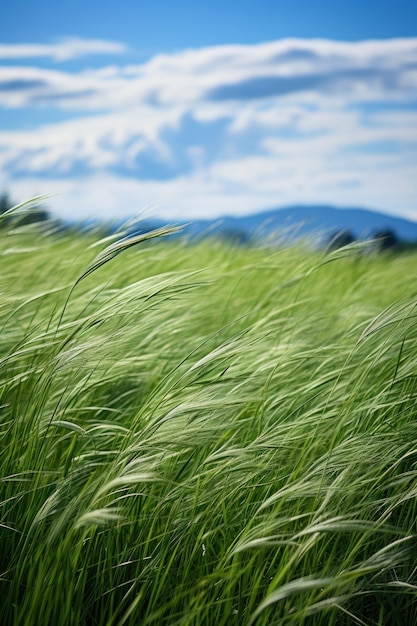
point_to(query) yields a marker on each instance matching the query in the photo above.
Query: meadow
(206, 434)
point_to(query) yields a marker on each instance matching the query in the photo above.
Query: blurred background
(199, 110)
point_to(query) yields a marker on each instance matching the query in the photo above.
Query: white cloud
(282, 69)
(205, 194)
(226, 129)
(106, 139)
(61, 51)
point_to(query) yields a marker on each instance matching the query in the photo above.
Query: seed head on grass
(233, 449)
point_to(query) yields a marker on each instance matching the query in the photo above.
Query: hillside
(300, 221)
(305, 220)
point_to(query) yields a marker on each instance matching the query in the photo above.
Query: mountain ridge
(291, 222)
(303, 220)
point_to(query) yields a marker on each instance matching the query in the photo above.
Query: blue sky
(189, 109)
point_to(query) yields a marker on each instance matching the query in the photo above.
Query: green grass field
(206, 434)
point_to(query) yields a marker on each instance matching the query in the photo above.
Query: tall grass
(206, 434)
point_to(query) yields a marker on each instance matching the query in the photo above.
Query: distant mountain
(305, 221)
(299, 221)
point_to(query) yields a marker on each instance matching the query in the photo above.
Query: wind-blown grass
(206, 434)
